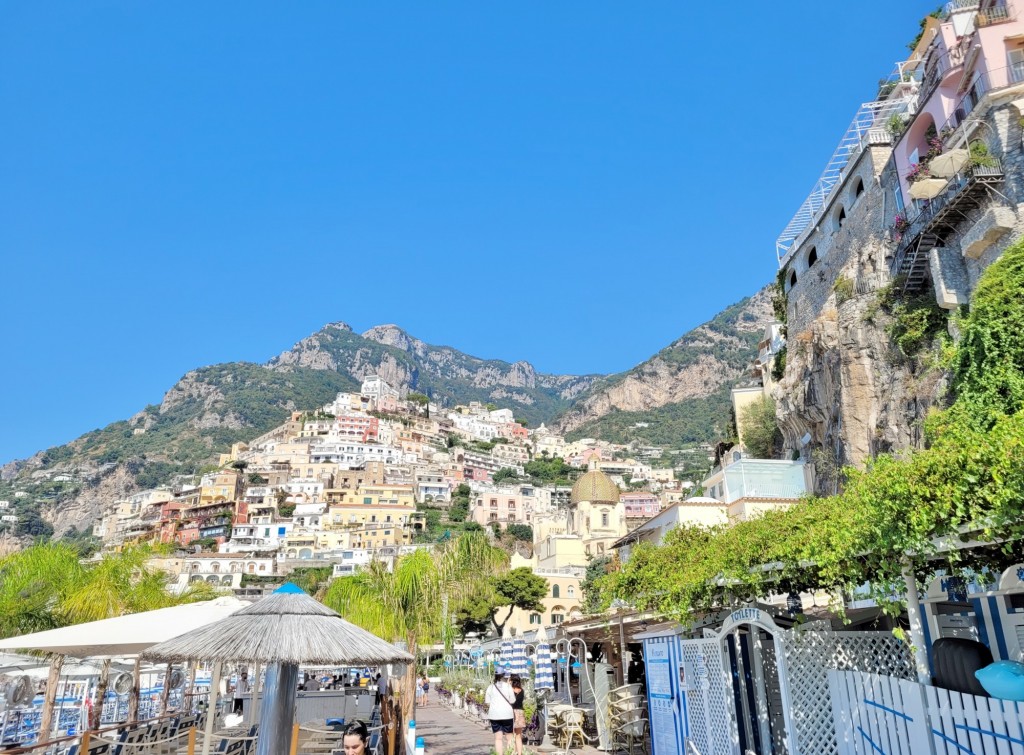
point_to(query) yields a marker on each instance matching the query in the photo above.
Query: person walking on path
(241, 688)
(425, 682)
(499, 698)
(518, 715)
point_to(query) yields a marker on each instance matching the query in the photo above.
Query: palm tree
(46, 586)
(412, 603)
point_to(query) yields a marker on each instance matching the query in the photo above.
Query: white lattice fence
(809, 655)
(711, 727)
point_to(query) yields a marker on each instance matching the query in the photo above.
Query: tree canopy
(517, 588)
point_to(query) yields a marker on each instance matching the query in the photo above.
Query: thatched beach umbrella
(285, 629)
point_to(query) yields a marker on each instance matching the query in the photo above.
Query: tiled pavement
(447, 733)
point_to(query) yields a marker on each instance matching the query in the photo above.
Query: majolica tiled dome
(595, 487)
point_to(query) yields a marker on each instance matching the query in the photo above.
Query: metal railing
(954, 186)
(997, 14)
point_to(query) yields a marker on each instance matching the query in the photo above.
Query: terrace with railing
(938, 218)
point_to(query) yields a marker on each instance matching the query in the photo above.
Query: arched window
(225, 580)
(858, 189)
(554, 591)
(792, 279)
(812, 257)
(840, 218)
(571, 590)
(215, 567)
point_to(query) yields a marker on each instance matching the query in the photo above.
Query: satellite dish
(19, 692)
(123, 683)
(176, 679)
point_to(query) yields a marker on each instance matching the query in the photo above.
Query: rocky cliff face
(851, 392)
(703, 362)
(446, 374)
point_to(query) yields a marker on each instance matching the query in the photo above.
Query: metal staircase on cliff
(937, 221)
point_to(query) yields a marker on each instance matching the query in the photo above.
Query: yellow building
(386, 495)
(354, 515)
(220, 487)
(562, 603)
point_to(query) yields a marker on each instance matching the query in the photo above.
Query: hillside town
(375, 475)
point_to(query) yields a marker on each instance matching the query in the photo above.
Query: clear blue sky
(574, 183)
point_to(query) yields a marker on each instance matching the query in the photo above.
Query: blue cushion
(1003, 679)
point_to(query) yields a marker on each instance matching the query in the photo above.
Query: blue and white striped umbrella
(544, 678)
(519, 656)
(505, 661)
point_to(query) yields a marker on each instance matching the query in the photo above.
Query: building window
(604, 518)
(535, 618)
(554, 591)
(812, 257)
(571, 591)
(792, 279)
(840, 217)
(858, 189)
(557, 618)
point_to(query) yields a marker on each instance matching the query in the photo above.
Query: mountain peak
(339, 325)
(392, 335)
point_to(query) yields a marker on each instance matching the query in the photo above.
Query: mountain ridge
(680, 395)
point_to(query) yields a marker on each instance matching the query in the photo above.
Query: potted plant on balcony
(980, 156)
(900, 224)
(896, 125)
(917, 172)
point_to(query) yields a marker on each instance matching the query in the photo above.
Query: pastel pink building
(640, 505)
(977, 48)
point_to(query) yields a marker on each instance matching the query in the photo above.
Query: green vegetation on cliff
(970, 479)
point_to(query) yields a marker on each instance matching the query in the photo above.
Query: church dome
(595, 487)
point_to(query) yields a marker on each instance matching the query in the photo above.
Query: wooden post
(50, 698)
(96, 717)
(916, 621)
(254, 689)
(133, 699)
(189, 693)
(192, 741)
(294, 748)
(211, 707)
(83, 745)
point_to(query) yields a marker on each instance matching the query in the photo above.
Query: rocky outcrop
(716, 354)
(849, 393)
(82, 510)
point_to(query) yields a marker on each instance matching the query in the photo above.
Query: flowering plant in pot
(900, 223)
(917, 172)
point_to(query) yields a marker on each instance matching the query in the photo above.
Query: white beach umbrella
(949, 163)
(927, 188)
(124, 635)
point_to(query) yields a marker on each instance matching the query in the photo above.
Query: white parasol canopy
(927, 188)
(125, 635)
(949, 163)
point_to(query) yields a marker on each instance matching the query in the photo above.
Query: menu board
(663, 708)
(663, 726)
(659, 678)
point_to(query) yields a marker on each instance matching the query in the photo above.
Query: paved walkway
(447, 733)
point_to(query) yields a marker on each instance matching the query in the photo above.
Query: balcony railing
(934, 213)
(997, 14)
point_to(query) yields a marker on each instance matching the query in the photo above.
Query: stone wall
(847, 387)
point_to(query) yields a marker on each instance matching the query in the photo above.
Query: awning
(125, 635)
